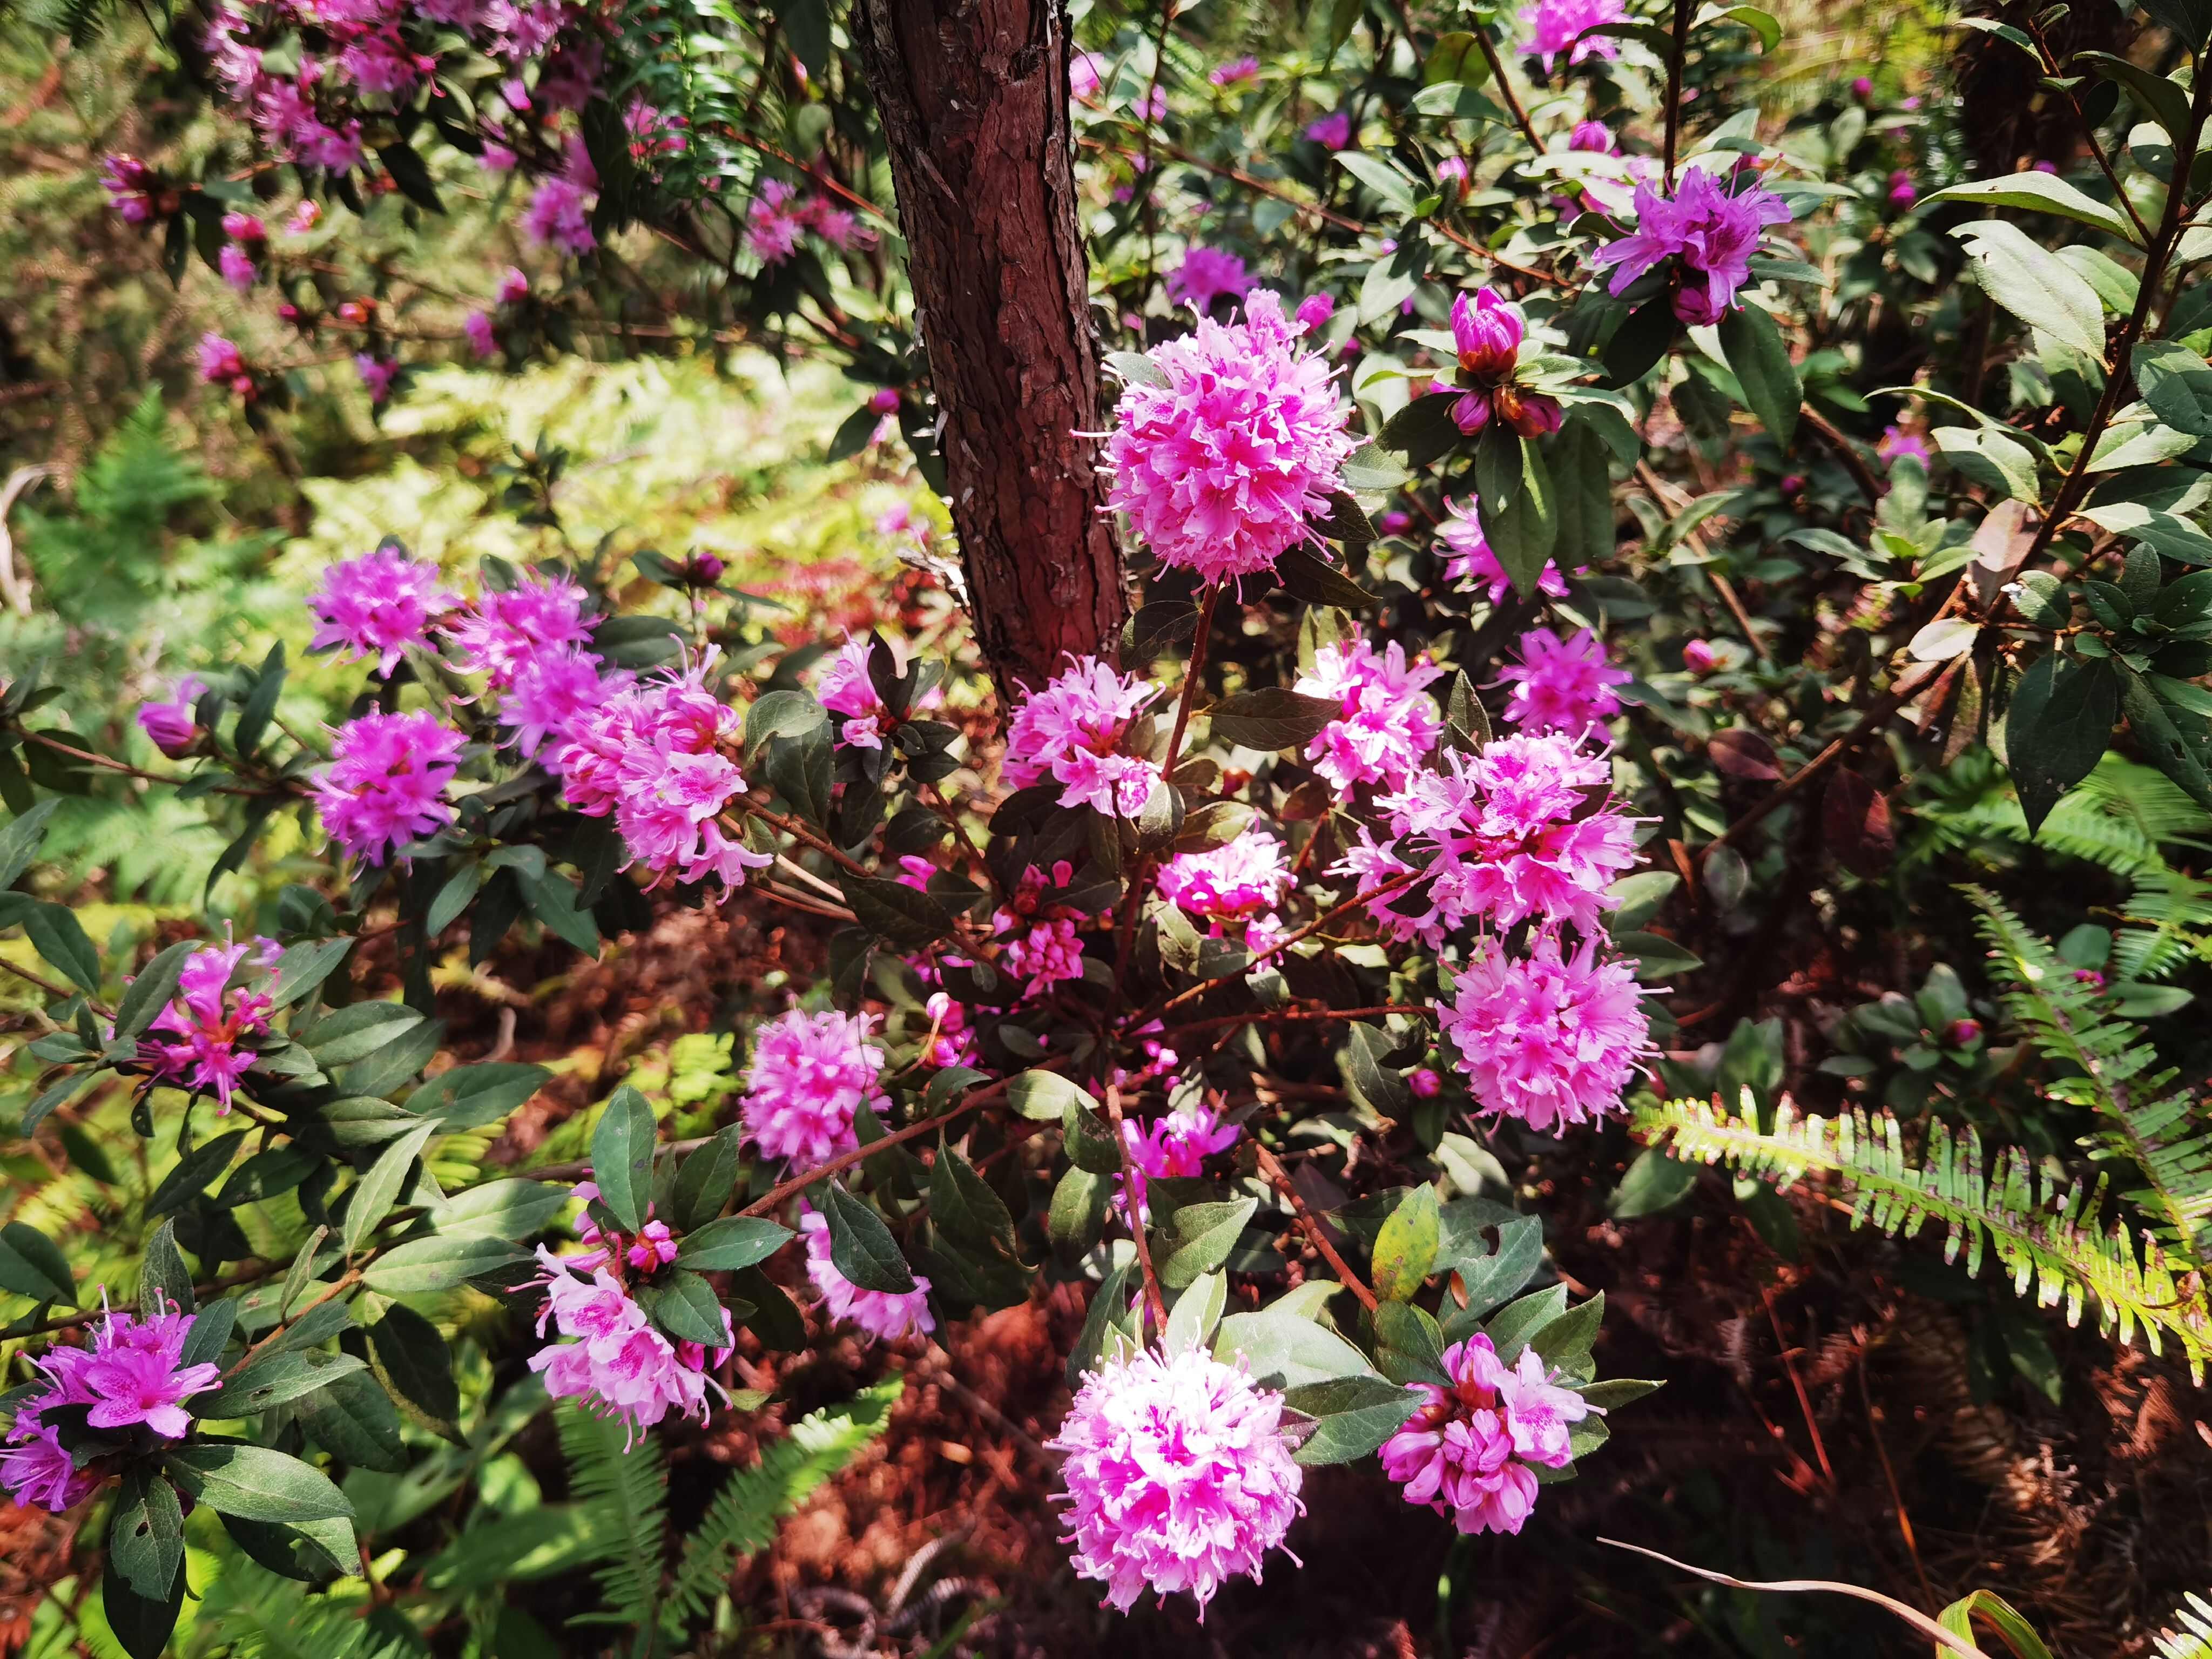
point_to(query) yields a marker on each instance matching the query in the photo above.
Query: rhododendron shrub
(1524, 588)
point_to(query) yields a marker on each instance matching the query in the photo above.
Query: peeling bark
(973, 97)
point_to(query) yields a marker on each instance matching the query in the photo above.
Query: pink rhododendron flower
(502, 631)
(384, 786)
(1508, 834)
(174, 726)
(1206, 275)
(1388, 721)
(773, 225)
(1470, 557)
(1240, 69)
(1452, 168)
(376, 373)
(1038, 941)
(236, 267)
(513, 288)
(1234, 880)
(1698, 657)
(1903, 193)
(221, 365)
(1594, 138)
(1710, 233)
(885, 1315)
(477, 326)
(1468, 1452)
(812, 1075)
(560, 215)
(845, 689)
(1555, 29)
(1177, 1476)
(193, 1042)
(1221, 465)
(1071, 730)
(1333, 131)
(1562, 685)
(1897, 444)
(130, 184)
(1086, 69)
(1314, 310)
(615, 1362)
(1174, 1147)
(1487, 330)
(552, 691)
(377, 605)
(1548, 1038)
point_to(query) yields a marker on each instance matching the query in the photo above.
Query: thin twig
(1797, 1383)
(1846, 450)
(1286, 1016)
(1889, 1473)
(845, 1160)
(1310, 1224)
(1505, 89)
(1130, 1187)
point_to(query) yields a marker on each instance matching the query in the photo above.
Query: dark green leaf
(193, 1172)
(1375, 1084)
(737, 1241)
(142, 1623)
(1757, 352)
(416, 1366)
(357, 1031)
(961, 1205)
(55, 932)
(438, 1263)
(273, 1378)
(165, 1283)
(1077, 1215)
(19, 841)
(354, 1421)
(861, 1247)
(146, 1534)
(622, 1156)
(377, 1190)
(2056, 728)
(413, 179)
(705, 1180)
(902, 918)
(510, 1209)
(1271, 717)
(255, 1482)
(1306, 576)
(1517, 507)
(1202, 1235)
(685, 1307)
(471, 1097)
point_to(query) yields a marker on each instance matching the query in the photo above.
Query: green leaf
(471, 1097)
(1582, 483)
(1406, 1247)
(902, 917)
(1135, 368)
(1394, 189)
(1196, 1311)
(1657, 957)
(19, 841)
(413, 177)
(193, 1172)
(1304, 574)
(2042, 192)
(1989, 458)
(2173, 754)
(2162, 100)
(1089, 1140)
(1760, 358)
(414, 1364)
(1655, 1182)
(146, 1534)
(55, 932)
(1516, 506)
(2191, 20)
(33, 1264)
(1354, 1416)
(304, 967)
(357, 1031)
(164, 1282)
(211, 1328)
(861, 1247)
(1455, 57)
(622, 1156)
(705, 1180)
(1491, 1277)
(2056, 728)
(1617, 1391)
(1372, 1083)
(1044, 1095)
(2176, 383)
(271, 1379)
(438, 1263)
(377, 1190)
(255, 1482)
(737, 1241)
(1271, 717)
(1202, 1235)
(1078, 1214)
(2034, 284)
(1511, 1328)
(311, 1553)
(1987, 1605)
(961, 1205)
(1284, 1351)
(1764, 24)
(353, 1419)
(685, 1307)
(553, 901)
(1565, 1342)
(510, 1208)
(1640, 340)
(148, 993)
(1108, 1303)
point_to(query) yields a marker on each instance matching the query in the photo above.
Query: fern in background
(2194, 1639)
(626, 1483)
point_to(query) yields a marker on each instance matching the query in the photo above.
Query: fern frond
(743, 1517)
(2176, 910)
(250, 1613)
(2194, 1639)
(2146, 1119)
(2051, 1240)
(623, 1483)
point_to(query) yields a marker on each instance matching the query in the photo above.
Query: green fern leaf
(2051, 1241)
(743, 1517)
(623, 1485)
(2194, 1639)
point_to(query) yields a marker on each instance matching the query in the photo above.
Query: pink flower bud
(1314, 310)
(1593, 136)
(1487, 330)
(1425, 1083)
(1863, 88)
(1394, 523)
(886, 400)
(1964, 1032)
(1698, 657)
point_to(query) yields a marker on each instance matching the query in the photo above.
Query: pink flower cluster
(1390, 723)
(132, 1375)
(1548, 1038)
(1237, 879)
(1555, 28)
(131, 188)
(1506, 834)
(1206, 275)
(1228, 73)
(1177, 1476)
(221, 365)
(812, 1075)
(207, 1019)
(1562, 685)
(174, 726)
(386, 784)
(1470, 557)
(1487, 331)
(1071, 730)
(1222, 459)
(1471, 1450)
(653, 755)
(885, 1315)
(377, 605)
(504, 630)
(1039, 943)
(1712, 233)
(1174, 1147)
(616, 1362)
(779, 215)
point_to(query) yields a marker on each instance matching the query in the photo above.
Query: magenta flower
(1229, 882)
(236, 267)
(1314, 310)
(1903, 193)
(1468, 1452)
(1221, 466)
(1071, 730)
(1086, 69)
(1504, 836)
(1388, 721)
(502, 631)
(513, 288)
(1206, 275)
(1562, 685)
(1897, 445)
(552, 691)
(1712, 233)
(886, 1316)
(1452, 168)
(377, 373)
(1548, 1038)
(1555, 29)
(1177, 1476)
(208, 1019)
(384, 786)
(477, 326)
(377, 605)
(615, 1362)
(1037, 939)
(1333, 131)
(1171, 1148)
(221, 365)
(130, 184)
(812, 1075)
(1487, 330)
(845, 689)
(1594, 138)
(1240, 69)
(1470, 558)
(1698, 657)
(174, 726)
(560, 215)
(772, 224)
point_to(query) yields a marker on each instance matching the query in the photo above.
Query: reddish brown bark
(973, 96)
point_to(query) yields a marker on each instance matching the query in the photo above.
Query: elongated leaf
(2035, 284)
(1516, 506)
(622, 1156)
(1406, 1248)
(861, 1247)
(2042, 192)
(2056, 728)
(416, 1366)
(1757, 352)
(164, 1282)
(19, 841)
(1271, 717)
(273, 1378)
(438, 1263)
(377, 1190)
(193, 1173)
(684, 1306)
(56, 934)
(146, 1534)
(353, 1419)
(509, 1209)
(148, 993)
(705, 1180)
(961, 1205)
(255, 1482)
(1201, 1238)
(1284, 1351)
(735, 1240)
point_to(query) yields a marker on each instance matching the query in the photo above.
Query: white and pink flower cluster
(1390, 723)
(1177, 1476)
(1072, 730)
(133, 1377)
(1471, 1451)
(1173, 1147)
(1225, 454)
(1551, 1038)
(812, 1075)
(615, 1362)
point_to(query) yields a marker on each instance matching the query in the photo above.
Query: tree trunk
(973, 96)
